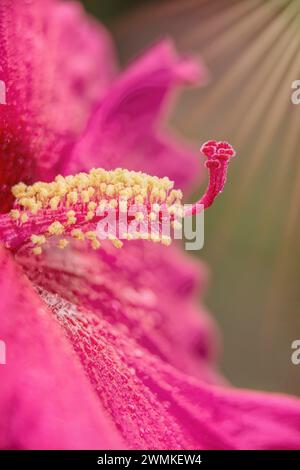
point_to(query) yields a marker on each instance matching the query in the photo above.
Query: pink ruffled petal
(123, 130)
(149, 291)
(56, 62)
(46, 402)
(156, 407)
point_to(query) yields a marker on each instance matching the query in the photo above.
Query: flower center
(73, 206)
(131, 205)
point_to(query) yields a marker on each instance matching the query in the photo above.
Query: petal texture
(55, 63)
(147, 290)
(156, 406)
(46, 402)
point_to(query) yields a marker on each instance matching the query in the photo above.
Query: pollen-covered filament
(133, 205)
(72, 207)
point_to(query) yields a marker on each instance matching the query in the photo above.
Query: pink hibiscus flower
(107, 348)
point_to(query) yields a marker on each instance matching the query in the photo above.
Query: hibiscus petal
(45, 400)
(155, 406)
(123, 128)
(82, 201)
(55, 63)
(166, 306)
(149, 291)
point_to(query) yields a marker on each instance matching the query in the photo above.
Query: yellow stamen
(91, 235)
(77, 234)
(89, 216)
(38, 239)
(78, 200)
(152, 216)
(71, 217)
(63, 243)
(56, 228)
(37, 250)
(95, 244)
(15, 214)
(24, 217)
(139, 216)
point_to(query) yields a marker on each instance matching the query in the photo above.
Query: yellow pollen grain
(152, 216)
(95, 244)
(71, 214)
(154, 195)
(72, 197)
(62, 243)
(77, 233)
(69, 179)
(37, 250)
(156, 207)
(139, 216)
(162, 195)
(56, 228)
(166, 240)
(85, 196)
(92, 205)
(91, 235)
(25, 201)
(128, 192)
(59, 178)
(89, 216)
(34, 207)
(24, 217)
(113, 203)
(15, 214)
(54, 202)
(117, 243)
(139, 199)
(102, 205)
(136, 190)
(102, 187)
(99, 190)
(43, 193)
(110, 190)
(155, 238)
(38, 239)
(19, 190)
(91, 191)
(37, 207)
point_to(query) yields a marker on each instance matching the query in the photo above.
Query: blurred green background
(251, 48)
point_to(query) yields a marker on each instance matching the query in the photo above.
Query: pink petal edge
(123, 129)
